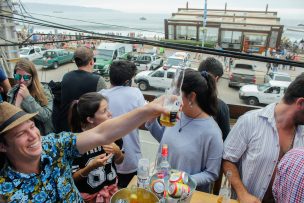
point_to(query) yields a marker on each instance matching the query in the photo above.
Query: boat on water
(142, 18)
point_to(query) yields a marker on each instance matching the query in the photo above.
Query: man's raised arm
(113, 129)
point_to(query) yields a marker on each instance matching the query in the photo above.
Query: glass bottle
(173, 104)
(164, 165)
(143, 173)
(225, 191)
(164, 170)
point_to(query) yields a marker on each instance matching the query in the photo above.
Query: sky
(291, 9)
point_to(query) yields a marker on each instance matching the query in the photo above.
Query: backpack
(56, 91)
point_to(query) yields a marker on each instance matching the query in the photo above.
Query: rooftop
(235, 17)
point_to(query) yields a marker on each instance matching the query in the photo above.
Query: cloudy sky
(287, 8)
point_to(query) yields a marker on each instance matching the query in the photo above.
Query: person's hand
(156, 107)
(248, 198)
(23, 91)
(18, 100)
(98, 161)
(111, 149)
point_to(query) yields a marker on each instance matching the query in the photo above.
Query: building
(237, 30)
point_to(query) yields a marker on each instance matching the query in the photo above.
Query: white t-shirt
(123, 99)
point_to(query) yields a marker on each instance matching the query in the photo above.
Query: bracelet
(82, 175)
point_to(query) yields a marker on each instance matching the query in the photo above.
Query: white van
(107, 52)
(32, 52)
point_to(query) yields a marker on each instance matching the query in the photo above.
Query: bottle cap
(165, 150)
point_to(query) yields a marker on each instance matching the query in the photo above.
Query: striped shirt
(288, 185)
(253, 144)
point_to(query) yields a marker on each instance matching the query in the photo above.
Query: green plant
(190, 42)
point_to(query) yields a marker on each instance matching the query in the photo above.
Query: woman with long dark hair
(195, 143)
(31, 96)
(94, 172)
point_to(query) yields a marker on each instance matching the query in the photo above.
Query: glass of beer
(173, 106)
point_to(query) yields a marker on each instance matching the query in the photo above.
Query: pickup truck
(264, 93)
(53, 58)
(242, 74)
(147, 62)
(160, 79)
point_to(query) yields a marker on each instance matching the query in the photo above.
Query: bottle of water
(225, 191)
(143, 177)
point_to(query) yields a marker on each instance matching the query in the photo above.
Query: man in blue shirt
(38, 169)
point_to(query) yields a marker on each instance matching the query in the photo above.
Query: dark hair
(212, 66)
(86, 106)
(83, 56)
(295, 90)
(121, 71)
(203, 84)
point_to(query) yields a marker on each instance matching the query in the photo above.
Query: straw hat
(11, 116)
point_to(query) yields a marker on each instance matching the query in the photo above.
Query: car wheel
(252, 101)
(143, 85)
(56, 65)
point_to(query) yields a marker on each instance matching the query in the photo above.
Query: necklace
(291, 144)
(180, 122)
(282, 152)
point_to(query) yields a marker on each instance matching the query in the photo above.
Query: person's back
(122, 99)
(78, 82)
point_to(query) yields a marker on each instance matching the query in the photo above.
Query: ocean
(107, 22)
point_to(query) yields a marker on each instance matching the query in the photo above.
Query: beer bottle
(225, 191)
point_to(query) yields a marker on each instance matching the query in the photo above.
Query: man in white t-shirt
(122, 99)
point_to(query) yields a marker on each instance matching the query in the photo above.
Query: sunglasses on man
(25, 77)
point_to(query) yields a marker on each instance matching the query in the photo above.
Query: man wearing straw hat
(38, 169)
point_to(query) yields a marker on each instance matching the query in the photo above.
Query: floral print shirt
(54, 183)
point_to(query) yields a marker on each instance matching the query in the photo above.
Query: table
(198, 197)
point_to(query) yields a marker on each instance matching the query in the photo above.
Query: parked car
(160, 78)
(106, 53)
(32, 52)
(277, 76)
(264, 93)
(53, 58)
(242, 74)
(178, 59)
(147, 62)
